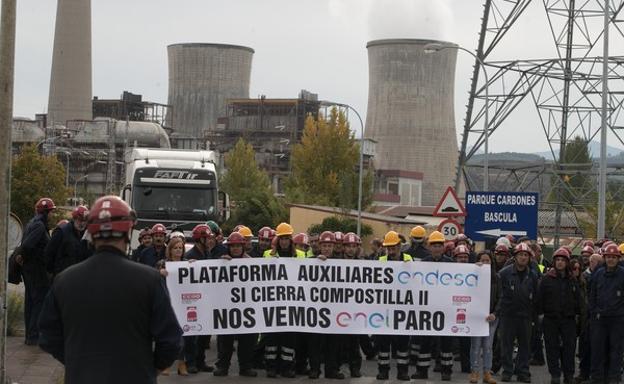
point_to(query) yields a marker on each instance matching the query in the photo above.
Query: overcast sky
(318, 45)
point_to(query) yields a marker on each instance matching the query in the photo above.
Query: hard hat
(436, 237)
(177, 234)
(327, 237)
(588, 243)
(418, 232)
(284, 229)
(523, 247)
(61, 222)
(80, 213)
(201, 231)
(621, 247)
(461, 250)
(590, 250)
(245, 231)
(562, 252)
(611, 249)
(501, 248)
(505, 241)
(351, 238)
(461, 237)
(214, 227)
(265, 233)
(110, 217)
(391, 239)
(339, 236)
(301, 239)
(45, 204)
(159, 229)
(235, 238)
(145, 232)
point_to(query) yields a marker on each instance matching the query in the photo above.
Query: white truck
(178, 188)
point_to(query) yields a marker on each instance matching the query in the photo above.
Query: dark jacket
(442, 259)
(109, 320)
(195, 254)
(493, 290)
(516, 292)
(66, 248)
(216, 252)
(150, 256)
(606, 293)
(34, 242)
(134, 255)
(558, 296)
(417, 250)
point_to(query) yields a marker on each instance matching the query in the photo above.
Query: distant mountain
(594, 150)
(507, 157)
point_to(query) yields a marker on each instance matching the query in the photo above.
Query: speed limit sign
(450, 229)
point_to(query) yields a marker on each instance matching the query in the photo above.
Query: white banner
(334, 296)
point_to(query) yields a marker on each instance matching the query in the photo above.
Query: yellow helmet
(284, 229)
(391, 238)
(418, 232)
(621, 248)
(245, 231)
(436, 237)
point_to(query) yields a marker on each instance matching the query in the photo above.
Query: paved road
(369, 370)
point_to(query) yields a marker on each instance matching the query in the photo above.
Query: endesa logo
(436, 278)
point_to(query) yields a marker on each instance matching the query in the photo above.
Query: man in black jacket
(606, 308)
(152, 255)
(36, 282)
(67, 247)
(107, 319)
(145, 240)
(417, 248)
(559, 301)
(517, 290)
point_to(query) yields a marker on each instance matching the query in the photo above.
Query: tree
(342, 224)
(324, 164)
(250, 190)
(576, 182)
(34, 176)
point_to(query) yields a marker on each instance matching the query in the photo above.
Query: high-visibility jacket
(299, 253)
(406, 257)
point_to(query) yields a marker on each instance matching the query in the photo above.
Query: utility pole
(7, 63)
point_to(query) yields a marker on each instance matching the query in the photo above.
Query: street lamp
(76, 187)
(359, 216)
(436, 47)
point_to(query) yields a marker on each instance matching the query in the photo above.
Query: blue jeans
(482, 343)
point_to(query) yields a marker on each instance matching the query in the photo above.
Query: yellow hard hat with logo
(391, 239)
(245, 231)
(621, 248)
(418, 232)
(284, 229)
(436, 237)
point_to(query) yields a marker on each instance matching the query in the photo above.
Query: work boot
(445, 376)
(355, 372)
(474, 377)
(487, 378)
(383, 375)
(524, 379)
(182, 370)
(220, 372)
(314, 374)
(271, 373)
(580, 379)
(302, 371)
(289, 373)
(421, 374)
(403, 375)
(205, 368)
(248, 372)
(192, 369)
(334, 375)
(506, 378)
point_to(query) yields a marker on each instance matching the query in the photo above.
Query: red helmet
(201, 231)
(80, 213)
(110, 217)
(523, 247)
(327, 237)
(589, 243)
(159, 229)
(265, 233)
(502, 248)
(301, 238)
(45, 204)
(339, 236)
(461, 237)
(449, 246)
(611, 249)
(587, 249)
(145, 232)
(461, 250)
(61, 222)
(235, 238)
(352, 238)
(562, 252)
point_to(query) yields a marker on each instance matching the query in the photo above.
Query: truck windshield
(170, 202)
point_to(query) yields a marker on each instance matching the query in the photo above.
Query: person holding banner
(282, 343)
(517, 285)
(246, 342)
(436, 247)
(399, 343)
(462, 254)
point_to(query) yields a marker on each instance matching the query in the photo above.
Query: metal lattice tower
(565, 90)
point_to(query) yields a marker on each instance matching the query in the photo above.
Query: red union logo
(462, 299)
(191, 296)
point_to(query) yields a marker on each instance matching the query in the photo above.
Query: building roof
(403, 211)
(400, 173)
(354, 213)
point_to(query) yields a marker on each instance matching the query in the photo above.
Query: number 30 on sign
(450, 229)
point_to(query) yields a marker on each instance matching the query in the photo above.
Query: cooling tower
(411, 111)
(70, 82)
(201, 78)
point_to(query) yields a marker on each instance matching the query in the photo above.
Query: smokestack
(201, 78)
(411, 111)
(70, 82)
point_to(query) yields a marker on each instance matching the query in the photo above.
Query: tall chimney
(70, 82)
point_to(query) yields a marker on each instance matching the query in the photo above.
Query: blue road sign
(494, 214)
